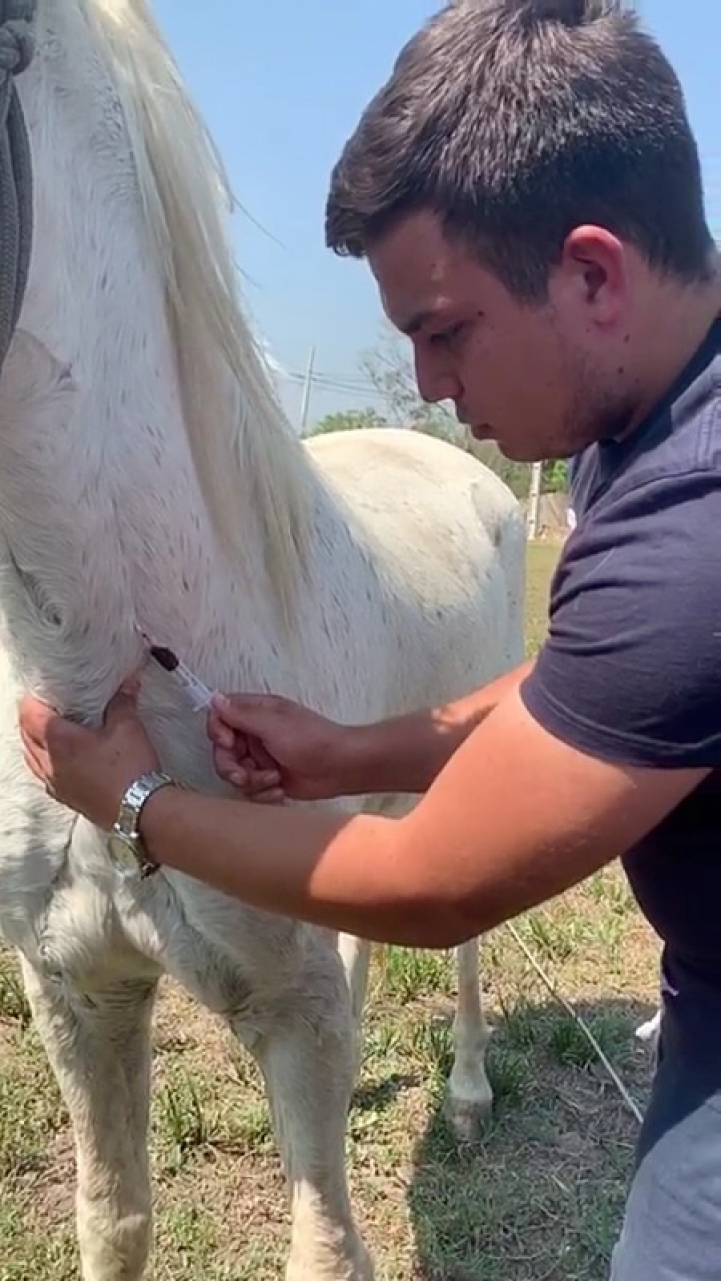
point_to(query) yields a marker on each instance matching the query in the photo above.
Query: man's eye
(446, 336)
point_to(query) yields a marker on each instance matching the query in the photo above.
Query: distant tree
(516, 475)
(349, 420)
(388, 367)
(555, 476)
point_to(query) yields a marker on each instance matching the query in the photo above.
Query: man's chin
(484, 432)
(519, 454)
(516, 451)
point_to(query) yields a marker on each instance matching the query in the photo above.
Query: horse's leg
(650, 1031)
(98, 1045)
(355, 954)
(307, 1059)
(469, 1091)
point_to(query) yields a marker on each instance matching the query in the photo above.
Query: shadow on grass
(540, 1195)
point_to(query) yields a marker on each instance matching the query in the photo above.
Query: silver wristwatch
(125, 845)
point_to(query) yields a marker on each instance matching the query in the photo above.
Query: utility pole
(534, 500)
(307, 388)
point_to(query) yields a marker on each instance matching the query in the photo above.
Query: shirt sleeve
(631, 669)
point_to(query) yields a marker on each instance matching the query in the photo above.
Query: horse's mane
(234, 422)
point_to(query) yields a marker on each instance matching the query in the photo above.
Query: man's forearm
(358, 875)
(407, 753)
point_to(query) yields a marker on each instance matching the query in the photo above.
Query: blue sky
(281, 86)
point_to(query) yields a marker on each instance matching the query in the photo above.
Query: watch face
(125, 847)
(123, 854)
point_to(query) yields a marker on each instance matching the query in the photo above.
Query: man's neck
(676, 324)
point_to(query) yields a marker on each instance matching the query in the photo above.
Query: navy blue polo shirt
(631, 669)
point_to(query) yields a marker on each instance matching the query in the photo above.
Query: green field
(538, 1198)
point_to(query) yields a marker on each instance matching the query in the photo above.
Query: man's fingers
(245, 712)
(226, 764)
(250, 781)
(34, 755)
(131, 685)
(260, 757)
(123, 704)
(35, 716)
(33, 761)
(260, 789)
(247, 751)
(45, 734)
(276, 796)
(38, 764)
(218, 732)
(244, 774)
(261, 781)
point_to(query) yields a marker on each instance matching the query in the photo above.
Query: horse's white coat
(142, 481)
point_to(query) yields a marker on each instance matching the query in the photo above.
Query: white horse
(147, 476)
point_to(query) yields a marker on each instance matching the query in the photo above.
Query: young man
(527, 192)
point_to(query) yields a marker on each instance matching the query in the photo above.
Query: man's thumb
(124, 702)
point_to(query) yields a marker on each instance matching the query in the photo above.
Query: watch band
(131, 807)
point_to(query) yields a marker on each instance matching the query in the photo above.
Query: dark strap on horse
(16, 184)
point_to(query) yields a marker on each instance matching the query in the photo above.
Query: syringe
(197, 694)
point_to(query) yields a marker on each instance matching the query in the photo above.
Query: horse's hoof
(649, 1031)
(467, 1114)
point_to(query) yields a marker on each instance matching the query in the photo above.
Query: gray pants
(672, 1227)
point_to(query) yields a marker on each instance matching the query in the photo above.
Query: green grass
(542, 560)
(539, 1196)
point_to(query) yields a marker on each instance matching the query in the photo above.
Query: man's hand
(271, 748)
(87, 770)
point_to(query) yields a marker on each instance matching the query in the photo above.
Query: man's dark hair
(516, 121)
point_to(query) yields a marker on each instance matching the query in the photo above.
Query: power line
(311, 380)
(334, 381)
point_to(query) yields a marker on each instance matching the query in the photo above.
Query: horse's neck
(98, 455)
